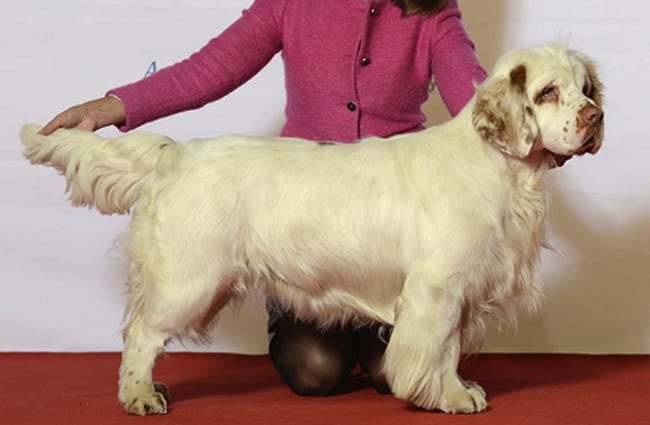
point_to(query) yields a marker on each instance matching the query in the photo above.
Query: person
(353, 69)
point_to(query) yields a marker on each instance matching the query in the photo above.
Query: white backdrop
(61, 280)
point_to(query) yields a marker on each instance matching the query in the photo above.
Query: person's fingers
(56, 122)
(70, 118)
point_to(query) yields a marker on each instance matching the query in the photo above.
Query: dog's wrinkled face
(541, 98)
(567, 93)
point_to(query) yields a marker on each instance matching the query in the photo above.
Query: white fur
(435, 232)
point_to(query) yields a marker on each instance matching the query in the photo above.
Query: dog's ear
(594, 86)
(503, 115)
(594, 90)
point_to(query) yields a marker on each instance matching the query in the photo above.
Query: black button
(352, 106)
(365, 61)
(373, 11)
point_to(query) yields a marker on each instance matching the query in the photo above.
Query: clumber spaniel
(435, 233)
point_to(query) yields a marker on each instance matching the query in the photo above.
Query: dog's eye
(548, 94)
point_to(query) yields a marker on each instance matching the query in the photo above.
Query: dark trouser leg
(371, 353)
(311, 361)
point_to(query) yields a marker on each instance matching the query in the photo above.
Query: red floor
(74, 389)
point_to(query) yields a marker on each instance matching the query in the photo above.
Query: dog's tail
(104, 173)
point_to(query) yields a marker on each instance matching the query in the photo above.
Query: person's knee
(312, 365)
(315, 376)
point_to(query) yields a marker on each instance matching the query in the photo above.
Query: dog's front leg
(422, 356)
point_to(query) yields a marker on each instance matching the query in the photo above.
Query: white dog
(434, 232)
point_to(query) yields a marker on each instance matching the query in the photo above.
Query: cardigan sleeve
(453, 61)
(223, 64)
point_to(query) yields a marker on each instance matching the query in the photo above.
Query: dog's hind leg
(160, 311)
(137, 393)
(422, 356)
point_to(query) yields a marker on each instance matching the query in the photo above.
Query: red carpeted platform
(75, 389)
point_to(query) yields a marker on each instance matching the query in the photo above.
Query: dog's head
(546, 97)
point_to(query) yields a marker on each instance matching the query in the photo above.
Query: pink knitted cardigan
(353, 68)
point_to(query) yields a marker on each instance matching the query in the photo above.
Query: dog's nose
(591, 115)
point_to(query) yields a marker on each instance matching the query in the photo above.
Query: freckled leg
(138, 394)
(158, 311)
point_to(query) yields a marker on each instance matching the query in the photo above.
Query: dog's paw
(152, 403)
(474, 386)
(162, 388)
(469, 399)
(147, 403)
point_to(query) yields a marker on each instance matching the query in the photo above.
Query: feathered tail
(104, 173)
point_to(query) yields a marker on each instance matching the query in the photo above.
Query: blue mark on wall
(152, 69)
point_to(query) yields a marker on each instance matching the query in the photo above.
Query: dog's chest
(506, 270)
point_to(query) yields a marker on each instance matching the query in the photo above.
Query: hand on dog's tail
(104, 173)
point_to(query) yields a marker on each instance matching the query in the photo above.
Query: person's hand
(89, 116)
